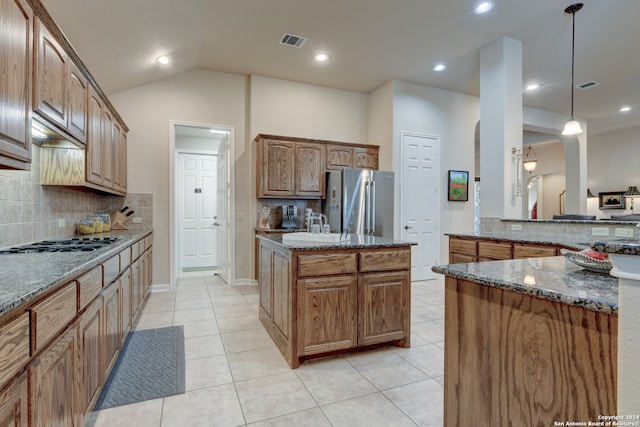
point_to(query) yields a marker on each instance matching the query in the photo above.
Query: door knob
(406, 227)
(215, 224)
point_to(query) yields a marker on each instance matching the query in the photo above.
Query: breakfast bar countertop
(24, 277)
(520, 237)
(354, 241)
(550, 278)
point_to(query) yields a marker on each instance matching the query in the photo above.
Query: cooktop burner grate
(83, 244)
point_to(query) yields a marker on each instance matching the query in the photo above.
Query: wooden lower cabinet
(318, 302)
(517, 360)
(91, 352)
(327, 314)
(53, 383)
(125, 303)
(467, 249)
(533, 251)
(14, 403)
(112, 315)
(384, 313)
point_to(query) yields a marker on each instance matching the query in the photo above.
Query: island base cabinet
(327, 320)
(14, 404)
(513, 359)
(383, 309)
(53, 383)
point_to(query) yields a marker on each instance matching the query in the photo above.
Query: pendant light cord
(573, 55)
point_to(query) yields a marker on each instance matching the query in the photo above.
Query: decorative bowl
(588, 263)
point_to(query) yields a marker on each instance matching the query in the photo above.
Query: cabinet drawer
(125, 258)
(89, 286)
(14, 347)
(111, 269)
(494, 250)
(463, 247)
(136, 250)
(521, 251)
(50, 316)
(327, 264)
(385, 260)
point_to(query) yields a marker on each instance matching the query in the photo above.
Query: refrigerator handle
(372, 207)
(367, 209)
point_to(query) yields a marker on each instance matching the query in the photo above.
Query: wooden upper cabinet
(51, 77)
(309, 162)
(341, 156)
(94, 138)
(276, 168)
(365, 158)
(108, 149)
(16, 21)
(78, 98)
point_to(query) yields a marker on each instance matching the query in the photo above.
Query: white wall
(452, 117)
(197, 96)
(613, 165)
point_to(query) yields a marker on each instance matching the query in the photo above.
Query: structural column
(500, 126)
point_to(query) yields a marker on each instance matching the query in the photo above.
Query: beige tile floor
(235, 376)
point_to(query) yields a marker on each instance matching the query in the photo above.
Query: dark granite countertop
(23, 277)
(550, 278)
(520, 237)
(620, 247)
(355, 241)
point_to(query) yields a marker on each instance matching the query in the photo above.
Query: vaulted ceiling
(369, 42)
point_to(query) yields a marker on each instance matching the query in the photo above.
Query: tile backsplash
(30, 212)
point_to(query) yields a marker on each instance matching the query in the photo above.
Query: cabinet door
(117, 166)
(112, 316)
(327, 314)
(91, 354)
(53, 378)
(107, 149)
(16, 21)
(282, 293)
(78, 96)
(125, 303)
(265, 280)
(122, 160)
(309, 163)
(14, 404)
(365, 158)
(339, 157)
(51, 77)
(94, 138)
(383, 307)
(276, 169)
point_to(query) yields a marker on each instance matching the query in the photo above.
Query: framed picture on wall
(611, 200)
(458, 190)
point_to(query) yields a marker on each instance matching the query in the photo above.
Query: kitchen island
(318, 299)
(529, 342)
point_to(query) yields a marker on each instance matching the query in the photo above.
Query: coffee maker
(289, 216)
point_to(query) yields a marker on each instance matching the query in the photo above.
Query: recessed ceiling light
(321, 57)
(625, 109)
(483, 7)
(532, 86)
(439, 67)
(164, 60)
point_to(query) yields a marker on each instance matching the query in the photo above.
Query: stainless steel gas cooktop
(72, 245)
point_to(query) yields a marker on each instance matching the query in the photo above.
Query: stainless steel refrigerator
(361, 201)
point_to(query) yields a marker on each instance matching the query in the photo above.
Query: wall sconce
(631, 193)
(530, 160)
(516, 172)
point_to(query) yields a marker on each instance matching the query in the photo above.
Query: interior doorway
(201, 200)
(420, 201)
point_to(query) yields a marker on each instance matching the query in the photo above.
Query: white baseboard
(243, 282)
(160, 287)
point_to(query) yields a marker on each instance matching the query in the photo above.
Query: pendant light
(573, 126)
(530, 161)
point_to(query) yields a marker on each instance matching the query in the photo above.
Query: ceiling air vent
(292, 40)
(587, 85)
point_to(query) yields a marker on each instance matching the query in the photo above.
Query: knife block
(117, 221)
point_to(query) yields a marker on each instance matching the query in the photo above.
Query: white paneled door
(420, 201)
(197, 210)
